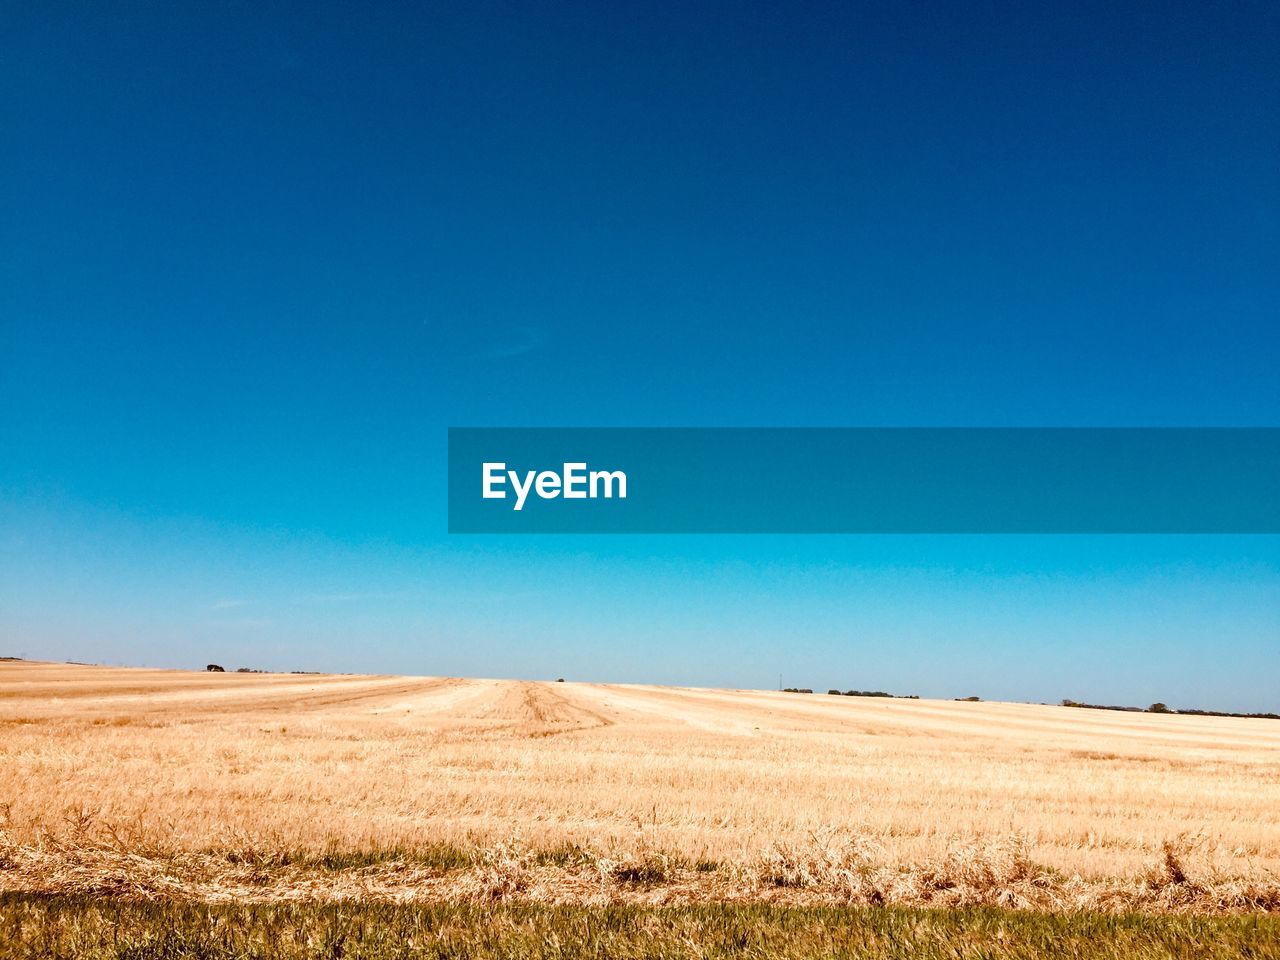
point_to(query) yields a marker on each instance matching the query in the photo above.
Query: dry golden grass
(148, 778)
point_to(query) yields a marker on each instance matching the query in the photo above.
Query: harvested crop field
(185, 786)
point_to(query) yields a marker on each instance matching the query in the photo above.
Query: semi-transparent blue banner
(908, 480)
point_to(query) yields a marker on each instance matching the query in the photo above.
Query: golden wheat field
(168, 764)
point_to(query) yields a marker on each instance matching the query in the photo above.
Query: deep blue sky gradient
(253, 262)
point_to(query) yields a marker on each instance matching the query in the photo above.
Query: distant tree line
(1163, 708)
(853, 693)
(872, 693)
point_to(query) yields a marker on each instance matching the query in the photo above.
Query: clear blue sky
(253, 263)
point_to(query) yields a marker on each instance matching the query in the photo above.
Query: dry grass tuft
(643, 868)
(502, 872)
(839, 864)
(998, 873)
(638, 865)
(1172, 885)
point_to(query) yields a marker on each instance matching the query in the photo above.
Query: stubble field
(170, 814)
(171, 784)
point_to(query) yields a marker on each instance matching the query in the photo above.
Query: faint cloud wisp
(516, 342)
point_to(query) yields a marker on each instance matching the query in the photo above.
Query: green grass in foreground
(94, 929)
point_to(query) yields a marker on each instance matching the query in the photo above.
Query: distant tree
(214, 668)
(834, 693)
(1157, 708)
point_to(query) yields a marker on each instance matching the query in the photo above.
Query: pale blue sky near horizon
(254, 263)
